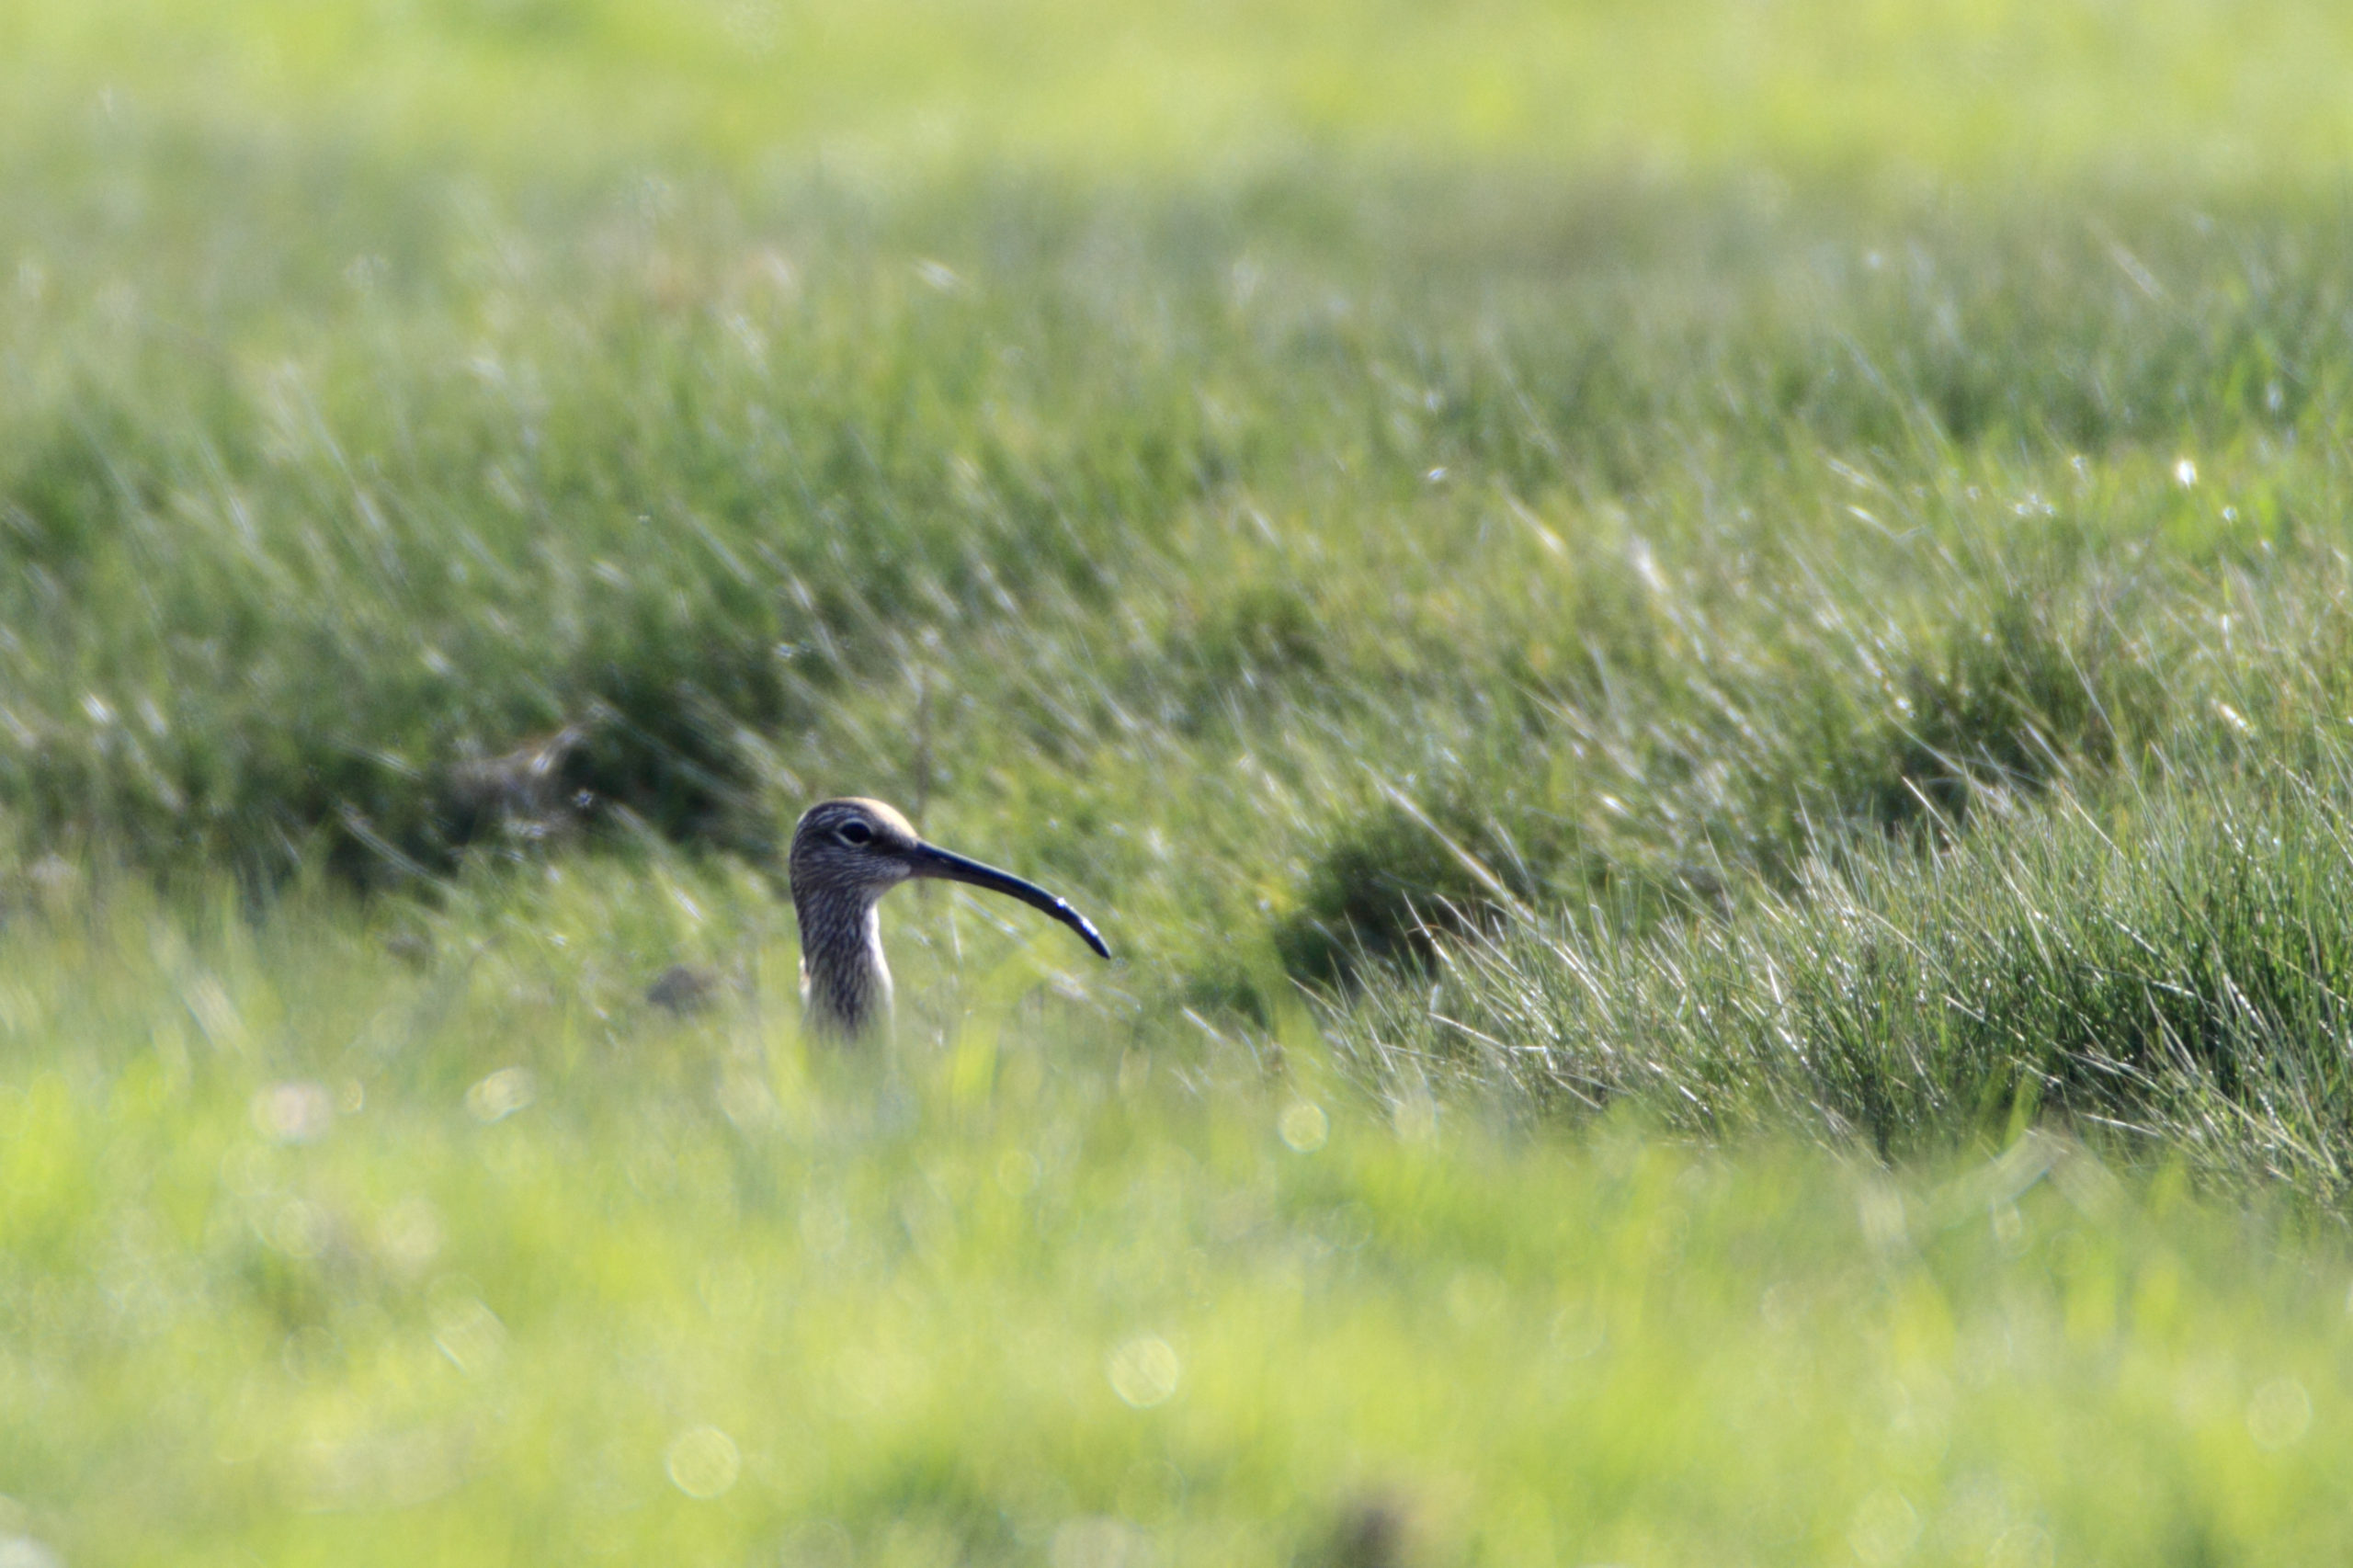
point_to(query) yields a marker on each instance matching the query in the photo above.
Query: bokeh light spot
(2021, 1546)
(1095, 1542)
(466, 1331)
(1017, 1173)
(1885, 1527)
(1304, 1127)
(1143, 1370)
(702, 1462)
(2280, 1414)
(501, 1095)
(300, 1228)
(294, 1113)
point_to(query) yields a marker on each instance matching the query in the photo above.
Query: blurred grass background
(1695, 654)
(2184, 93)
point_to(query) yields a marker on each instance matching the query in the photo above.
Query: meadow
(1696, 656)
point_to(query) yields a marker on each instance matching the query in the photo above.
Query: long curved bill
(929, 861)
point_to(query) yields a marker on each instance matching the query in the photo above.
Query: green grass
(318, 1257)
(1908, 94)
(1708, 644)
(2175, 973)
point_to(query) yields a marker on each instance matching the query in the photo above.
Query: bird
(846, 855)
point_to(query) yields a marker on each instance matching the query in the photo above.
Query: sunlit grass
(304, 1239)
(1907, 92)
(1696, 655)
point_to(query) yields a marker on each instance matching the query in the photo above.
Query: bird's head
(861, 849)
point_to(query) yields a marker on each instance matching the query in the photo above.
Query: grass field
(1698, 657)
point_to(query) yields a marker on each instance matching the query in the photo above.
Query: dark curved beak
(929, 861)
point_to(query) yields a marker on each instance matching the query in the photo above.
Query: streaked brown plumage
(846, 855)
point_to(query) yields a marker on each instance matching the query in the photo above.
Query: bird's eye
(855, 834)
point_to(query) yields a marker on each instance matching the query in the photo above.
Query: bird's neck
(845, 984)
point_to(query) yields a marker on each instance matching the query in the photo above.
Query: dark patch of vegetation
(1999, 708)
(2178, 967)
(2010, 705)
(1383, 888)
